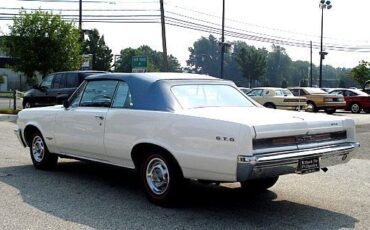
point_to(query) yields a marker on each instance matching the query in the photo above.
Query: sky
(345, 24)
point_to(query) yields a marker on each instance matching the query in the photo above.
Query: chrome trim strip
(18, 133)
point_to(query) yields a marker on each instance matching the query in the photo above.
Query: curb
(8, 117)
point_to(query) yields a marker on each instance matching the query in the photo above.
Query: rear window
(199, 96)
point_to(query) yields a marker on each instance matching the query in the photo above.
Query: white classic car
(172, 126)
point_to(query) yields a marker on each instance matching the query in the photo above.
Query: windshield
(196, 96)
(315, 91)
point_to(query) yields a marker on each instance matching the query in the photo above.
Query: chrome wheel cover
(157, 176)
(27, 105)
(38, 149)
(310, 107)
(355, 108)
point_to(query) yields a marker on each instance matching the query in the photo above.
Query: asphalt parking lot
(79, 195)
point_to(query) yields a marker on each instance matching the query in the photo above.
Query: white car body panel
(208, 143)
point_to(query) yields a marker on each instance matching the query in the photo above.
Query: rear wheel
(259, 184)
(270, 105)
(40, 155)
(330, 111)
(311, 107)
(161, 178)
(355, 108)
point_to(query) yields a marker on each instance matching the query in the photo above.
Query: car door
(80, 127)
(56, 90)
(121, 127)
(256, 94)
(41, 95)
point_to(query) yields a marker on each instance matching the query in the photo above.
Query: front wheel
(27, 105)
(161, 178)
(40, 155)
(259, 185)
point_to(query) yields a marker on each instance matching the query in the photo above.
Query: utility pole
(164, 42)
(321, 53)
(311, 64)
(223, 40)
(80, 21)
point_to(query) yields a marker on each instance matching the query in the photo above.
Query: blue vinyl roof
(152, 91)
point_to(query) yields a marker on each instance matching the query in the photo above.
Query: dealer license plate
(309, 165)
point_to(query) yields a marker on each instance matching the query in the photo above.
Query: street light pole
(323, 5)
(223, 40)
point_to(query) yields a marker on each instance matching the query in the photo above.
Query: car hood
(272, 122)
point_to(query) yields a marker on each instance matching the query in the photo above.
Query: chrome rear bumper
(280, 163)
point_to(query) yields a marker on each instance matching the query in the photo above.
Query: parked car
(277, 98)
(366, 87)
(55, 88)
(317, 99)
(175, 126)
(245, 90)
(356, 100)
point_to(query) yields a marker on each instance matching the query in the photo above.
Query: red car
(356, 100)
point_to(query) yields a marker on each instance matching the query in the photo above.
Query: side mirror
(36, 87)
(66, 104)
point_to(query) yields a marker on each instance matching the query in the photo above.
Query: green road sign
(139, 62)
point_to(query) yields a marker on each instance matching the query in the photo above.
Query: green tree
(361, 73)
(284, 83)
(44, 43)
(252, 63)
(204, 56)
(278, 65)
(155, 59)
(299, 70)
(101, 54)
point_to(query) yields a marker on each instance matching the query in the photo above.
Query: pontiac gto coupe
(171, 127)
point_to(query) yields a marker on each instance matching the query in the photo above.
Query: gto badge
(219, 138)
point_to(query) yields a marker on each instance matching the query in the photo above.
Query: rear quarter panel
(198, 144)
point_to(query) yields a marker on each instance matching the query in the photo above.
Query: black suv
(55, 88)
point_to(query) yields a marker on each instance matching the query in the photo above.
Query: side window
(59, 81)
(337, 92)
(279, 92)
(256, 92)
(302, 92)
(295, 92)
(349, 93)
(71, 80)
(98, 93)
(46, 82)
(76, 96)
(122, 98)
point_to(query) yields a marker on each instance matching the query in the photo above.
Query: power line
(75, 10)
(249, 24)
(199, 25)
(209, 29)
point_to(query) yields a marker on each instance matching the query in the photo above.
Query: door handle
(99, 117)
